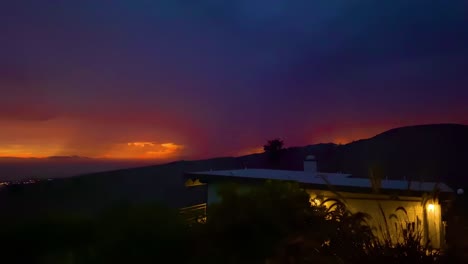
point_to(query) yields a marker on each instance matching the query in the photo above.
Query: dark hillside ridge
(427, 152)
(422, 153)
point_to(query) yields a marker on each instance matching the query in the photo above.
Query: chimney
(310, 164)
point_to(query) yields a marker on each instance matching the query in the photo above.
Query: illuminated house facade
(422, 201)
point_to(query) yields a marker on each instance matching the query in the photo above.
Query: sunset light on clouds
(133, 150)
(145, 150)
(147, 80)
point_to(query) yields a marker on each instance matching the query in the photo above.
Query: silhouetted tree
(274, 145)
(273, 148)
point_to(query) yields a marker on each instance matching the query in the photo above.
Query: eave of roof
(320, 180)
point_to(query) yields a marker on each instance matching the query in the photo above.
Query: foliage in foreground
(272, 223)
(123, 234)
(276, 223)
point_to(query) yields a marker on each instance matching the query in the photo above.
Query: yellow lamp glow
(430, 207)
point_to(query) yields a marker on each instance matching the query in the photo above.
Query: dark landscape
(420, 153)
(234, 132)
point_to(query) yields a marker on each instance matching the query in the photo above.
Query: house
(423, 202)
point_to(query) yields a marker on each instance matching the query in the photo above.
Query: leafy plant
(406, 244)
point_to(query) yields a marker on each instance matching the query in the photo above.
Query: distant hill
(15, 169)
(420, 153)
(93, 192)
(426, 152)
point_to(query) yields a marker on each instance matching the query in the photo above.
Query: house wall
(427, 218)
(435, 227)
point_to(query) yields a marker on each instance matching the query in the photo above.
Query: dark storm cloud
(209, 71)
(21, 95)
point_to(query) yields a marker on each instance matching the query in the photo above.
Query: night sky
(192, 79)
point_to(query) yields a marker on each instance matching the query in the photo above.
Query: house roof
(319, 178)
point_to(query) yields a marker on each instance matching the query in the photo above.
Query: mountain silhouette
(419, 153)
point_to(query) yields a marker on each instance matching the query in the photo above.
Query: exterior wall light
(430, 207)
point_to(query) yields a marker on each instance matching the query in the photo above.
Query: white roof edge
(338, 179)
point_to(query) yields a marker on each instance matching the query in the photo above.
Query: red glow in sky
(144, 80)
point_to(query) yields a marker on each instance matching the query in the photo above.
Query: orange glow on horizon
(348, 134)
(249, 151)
(145, 150)
(131, 150)
(341, 140)
(23, 151)
(141, 144)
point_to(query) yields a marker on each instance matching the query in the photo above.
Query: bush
(124, 234)
(276, 222)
